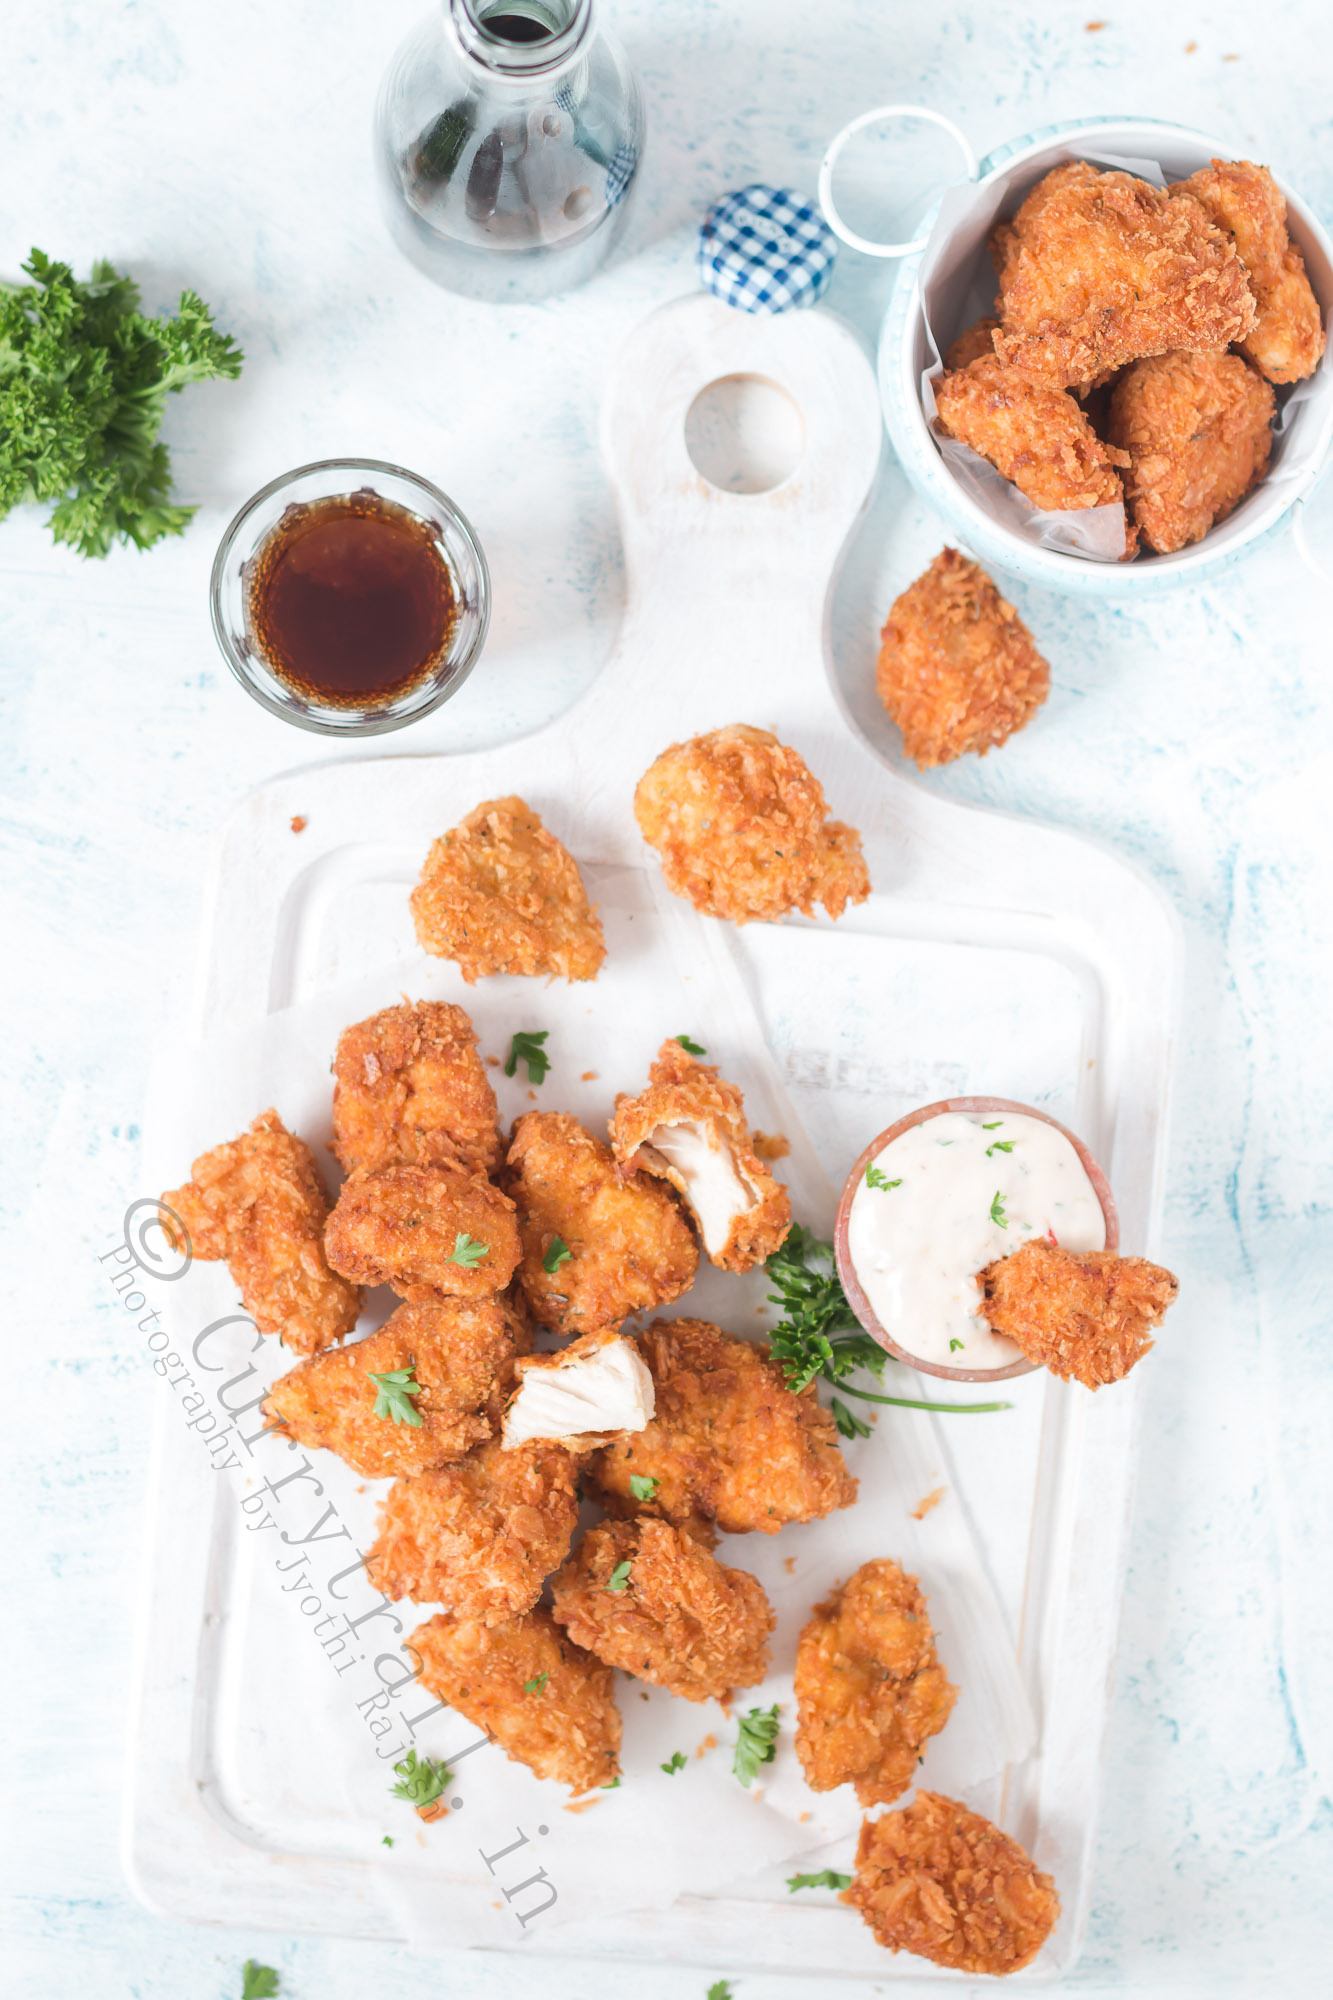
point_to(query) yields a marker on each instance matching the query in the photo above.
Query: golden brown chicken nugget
(410, 1085)
(958, 669)
(1197, 428)
(500, 894)
(870, 1689)
(974, 342)
(688, 1127)
(729, 1441)
(1037, 438)
(1287, 338)
(479, 1537)
(1087, 1315)
(1098, 269)
(421, 1392)
(648, 1598)
(940, 1881)
(546, 1702)
(629, 1246)
(430, 1232)
(259, 1203)
(742, 827)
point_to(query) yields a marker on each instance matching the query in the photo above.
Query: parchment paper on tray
(289, 1750)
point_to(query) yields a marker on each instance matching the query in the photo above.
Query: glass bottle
(507, 137)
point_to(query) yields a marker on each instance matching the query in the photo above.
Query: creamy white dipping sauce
(708, 1179)
(961, 1202)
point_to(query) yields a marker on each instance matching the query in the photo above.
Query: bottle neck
(521, 41)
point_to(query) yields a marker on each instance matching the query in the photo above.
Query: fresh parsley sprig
(643, 1486)
(756, 1742)
(536, 1686)
(558, 1253)
(691, 1048)
(421, 1780)
(675, 1762)
(619, 1577)
(467, 1251)
(258, 1982)
(526, 1047)
(394, 1391)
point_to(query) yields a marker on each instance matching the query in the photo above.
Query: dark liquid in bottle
(515, 28)
(350, 600)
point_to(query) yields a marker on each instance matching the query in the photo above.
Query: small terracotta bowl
(857, 1299)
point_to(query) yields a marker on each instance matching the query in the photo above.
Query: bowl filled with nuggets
(1107, 367)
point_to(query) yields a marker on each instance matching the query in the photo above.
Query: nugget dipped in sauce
(259, 1203)
(958, 669)
(870, 1689)
(743, 830)
(597, 1246)
(646, 1597)
(500, 894)
(1086, 1315)
(688, 1127)
(430, 1232)
(408, 1084)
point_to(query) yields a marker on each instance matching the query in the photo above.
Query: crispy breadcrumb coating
(958, 669)
(479, 1537)
(1287, 338)
(1097, 269)
(974, 342)
(1087, 1315)
(461, 1353)
(729, 1441)
(940, 1881)
(677, 1617)
(630, 1245)
(1197, 428)
(870, 1690)
(741, 1212)
(430, 1232)
(259, 1203)
(500, 894)
(741, 825)
(1037, 438)
(566, 1728)
(410, 1085)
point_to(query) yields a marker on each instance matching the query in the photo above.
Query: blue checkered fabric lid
(764, 249)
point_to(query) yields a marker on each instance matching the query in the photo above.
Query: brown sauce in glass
(351, 601)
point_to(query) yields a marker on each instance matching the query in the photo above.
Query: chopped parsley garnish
(994, 1125)
(422, 1780)
(526, 1047)
(676, 1762)
(619, 1576)
(720, 1990)
(1000, 1146)
(612, 1785)
(954, 1346)
(387, 1840)
(258, 1982)
(875, 1179)
(756, 1742)
(467, 1251)
(535, 1687)
(691, 1048)
(558, 1254)
(827, 1878)
(394, 1391)
(849, 1424)
(997, 1213)
(642, 1486)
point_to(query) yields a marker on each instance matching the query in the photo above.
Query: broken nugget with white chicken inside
(689, 1127)
(409, 1084)
(591, 1390)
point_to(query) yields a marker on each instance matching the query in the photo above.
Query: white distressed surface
(228, 149)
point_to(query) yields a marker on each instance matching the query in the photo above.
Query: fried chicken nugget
(1097, 269)
(410, 1085)
(741, 825)
(591, 1390)
(479, 1537)
(1036, 437)
(648, 1598)
(500, 894)
(630, 1246)
(1197, 429)
(940, 1881)
(971, 344)
(1287, 338)
(546, 1702)
(870, 1690)
(1086, 1315)
(458, 1354)
(729, 1441)
(958, 669)
(431, 1232)
(688, 1127)
(258, 1203)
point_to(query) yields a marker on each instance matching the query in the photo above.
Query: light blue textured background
(226, 146)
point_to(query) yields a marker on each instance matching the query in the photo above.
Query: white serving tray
(994, 956)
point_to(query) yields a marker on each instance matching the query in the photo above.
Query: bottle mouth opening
(521, 38)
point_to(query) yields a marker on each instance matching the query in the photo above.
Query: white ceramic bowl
(904, 355)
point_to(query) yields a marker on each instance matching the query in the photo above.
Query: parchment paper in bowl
(289, 1750)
